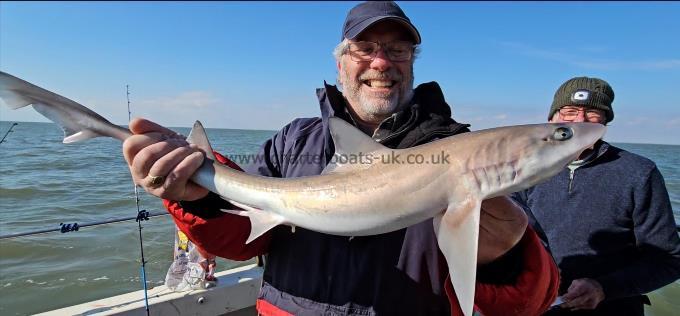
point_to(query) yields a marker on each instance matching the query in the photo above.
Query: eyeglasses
(366, 51)
(591, 115)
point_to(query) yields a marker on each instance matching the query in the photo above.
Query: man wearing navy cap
(311, 273)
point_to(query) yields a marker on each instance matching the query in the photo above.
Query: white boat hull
(234, 294)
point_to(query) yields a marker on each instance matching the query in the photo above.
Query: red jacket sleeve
(533, 292)
(224, 234)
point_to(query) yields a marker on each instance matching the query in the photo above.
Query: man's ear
(339, 78)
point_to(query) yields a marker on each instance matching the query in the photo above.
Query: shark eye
(562, 133)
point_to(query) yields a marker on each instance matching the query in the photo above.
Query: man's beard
(377, 105)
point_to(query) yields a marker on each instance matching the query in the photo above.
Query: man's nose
(580, 117)
(381, 62)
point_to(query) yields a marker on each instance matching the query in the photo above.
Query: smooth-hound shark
(373, 196)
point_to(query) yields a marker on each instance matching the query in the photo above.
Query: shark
(374, 195)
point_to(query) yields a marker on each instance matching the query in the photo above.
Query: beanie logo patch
(580, 95)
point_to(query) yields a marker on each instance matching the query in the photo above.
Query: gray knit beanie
(586, 92)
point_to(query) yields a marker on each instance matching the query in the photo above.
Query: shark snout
(587, 134)
(571, 140)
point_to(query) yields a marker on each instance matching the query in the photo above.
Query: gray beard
(375, 108)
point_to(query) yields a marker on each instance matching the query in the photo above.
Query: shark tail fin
(78, 122)
(12, 99)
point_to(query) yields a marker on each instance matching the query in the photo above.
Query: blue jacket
(402, 272)
(609, 220)
(369, 273)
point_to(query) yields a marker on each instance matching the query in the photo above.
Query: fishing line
(142, 215)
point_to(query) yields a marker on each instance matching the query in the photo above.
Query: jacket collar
(602, 147)
(332, 103)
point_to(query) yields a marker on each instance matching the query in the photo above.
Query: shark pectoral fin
(457, 233)
(260, 221)
(198, 137)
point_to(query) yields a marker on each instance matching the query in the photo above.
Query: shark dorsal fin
(198, 137)
(353, 149)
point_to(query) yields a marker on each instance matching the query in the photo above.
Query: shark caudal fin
(457, 233)
(78, 122)
(10, 91)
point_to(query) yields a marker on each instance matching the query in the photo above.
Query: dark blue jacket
(610, 220)
(398, 272)
(401, 272)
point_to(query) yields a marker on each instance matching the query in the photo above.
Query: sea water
(44, 183)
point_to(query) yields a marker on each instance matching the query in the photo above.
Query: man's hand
(161, 161)
(502, 225)
(583, 294)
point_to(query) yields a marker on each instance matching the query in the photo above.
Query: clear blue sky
(256, 65)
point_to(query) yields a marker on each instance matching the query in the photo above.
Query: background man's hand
(583, 294)
(502, 225)
(155, 151)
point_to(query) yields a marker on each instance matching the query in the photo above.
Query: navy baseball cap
(371, 12)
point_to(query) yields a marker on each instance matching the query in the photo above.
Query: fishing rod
(139, 222)
(67, 228)
(8, 131)
(72, 227)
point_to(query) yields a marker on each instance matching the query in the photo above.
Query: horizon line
(274, 131)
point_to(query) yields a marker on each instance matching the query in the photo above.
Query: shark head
(510, 159)
(550, 147)
(497, 162)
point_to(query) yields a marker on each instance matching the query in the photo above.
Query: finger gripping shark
(376, 195)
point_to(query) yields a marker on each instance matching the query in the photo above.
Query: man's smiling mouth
(379, 83)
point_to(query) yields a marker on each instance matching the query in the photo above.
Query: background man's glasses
(591, 115)
(366, 51)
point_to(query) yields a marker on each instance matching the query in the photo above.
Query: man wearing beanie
(397, 273)
(606, 218)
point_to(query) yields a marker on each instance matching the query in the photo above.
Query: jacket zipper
(572, 171)
(571, 179)
(391, 136)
